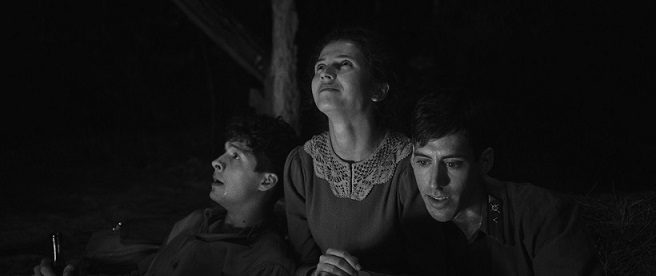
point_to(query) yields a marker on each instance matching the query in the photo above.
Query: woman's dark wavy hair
(379, 58)
(446, 112)
(270, 139)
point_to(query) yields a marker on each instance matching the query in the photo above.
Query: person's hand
(337, 262)
(45, 269)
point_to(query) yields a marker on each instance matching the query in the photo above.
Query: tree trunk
(281, 80)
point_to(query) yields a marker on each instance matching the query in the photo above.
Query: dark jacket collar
(246, 235)
(497, 220)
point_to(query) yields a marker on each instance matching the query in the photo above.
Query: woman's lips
(328, 88)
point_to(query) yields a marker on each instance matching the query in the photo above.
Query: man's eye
(453, 164)
(235, 156)
(319, 67)
(347, 63)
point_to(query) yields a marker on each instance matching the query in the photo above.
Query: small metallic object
(58, 262)
(117, 226)
(56, 239)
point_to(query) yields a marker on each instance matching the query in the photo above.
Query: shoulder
(273, 240)
(197, 214)
(297, 153)
(272, 253)
(311, 148)
(400, 145)
(188, 223)
(195, 217)
(404, 177)
(298, 163)
(537, 199)
(540, 210)
(293, 156)
(549, 227)
(398, 150)
(318, 145)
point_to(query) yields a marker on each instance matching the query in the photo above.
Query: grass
(622, 227)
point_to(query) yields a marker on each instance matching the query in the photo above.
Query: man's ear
(380, 92)
(269, 181)
(486, 160)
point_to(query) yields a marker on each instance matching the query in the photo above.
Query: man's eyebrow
(239, 148)
(453, 155)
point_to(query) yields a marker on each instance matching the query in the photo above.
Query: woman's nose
(328, 74)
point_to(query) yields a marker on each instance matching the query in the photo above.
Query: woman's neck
(355, 138)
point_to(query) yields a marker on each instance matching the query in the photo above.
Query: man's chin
(440, 218)
(439, 215)
(216, 195)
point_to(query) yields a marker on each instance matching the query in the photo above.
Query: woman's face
(342, 82)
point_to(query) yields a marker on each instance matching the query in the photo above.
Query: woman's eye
(235, 156)
(422, 163)
(319, 67)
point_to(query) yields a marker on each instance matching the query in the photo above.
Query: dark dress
(358, 207)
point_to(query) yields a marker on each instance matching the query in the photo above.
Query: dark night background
(100, 88)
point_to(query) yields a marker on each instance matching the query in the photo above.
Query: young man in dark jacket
(241, 236)
(492, 227)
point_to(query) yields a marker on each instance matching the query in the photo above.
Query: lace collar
(355, 180)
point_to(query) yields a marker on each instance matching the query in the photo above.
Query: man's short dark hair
(270, 139)
(446, 112)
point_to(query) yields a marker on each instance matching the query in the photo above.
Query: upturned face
(447, 175)
(235, 179)
(342, 82)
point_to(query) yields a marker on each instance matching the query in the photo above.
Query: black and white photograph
(346, 137)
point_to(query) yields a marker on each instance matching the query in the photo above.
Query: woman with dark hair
(348, 190)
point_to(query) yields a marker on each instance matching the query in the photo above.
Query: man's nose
(217, 164)
(439, 178)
